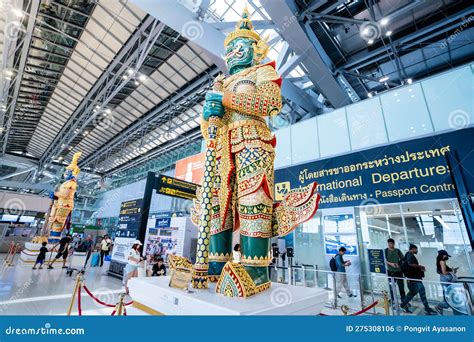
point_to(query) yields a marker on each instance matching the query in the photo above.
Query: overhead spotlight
(85, 132)
(370, 95)
(108, 110)
(137, 83)
(409, 81)
(384, 79)
(9, 72)
(384, 21)
(60, 158)
(388, 33)
(70, 148)
(370, 41)
(97, 107)
(142, 78)
(130, 71)
(124, 77)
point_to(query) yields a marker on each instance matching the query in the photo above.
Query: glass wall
(436, 104)
(431, 225)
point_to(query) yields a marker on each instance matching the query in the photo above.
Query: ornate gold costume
(239, 188)
(63, 202)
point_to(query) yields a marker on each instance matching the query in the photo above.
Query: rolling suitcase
(95, 259)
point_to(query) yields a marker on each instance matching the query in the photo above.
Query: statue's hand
(213, 105)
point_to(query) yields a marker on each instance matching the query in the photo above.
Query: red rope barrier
(113, 313)
(124, 311)
(358, 312)
(97, 299)
(79, 303)
(129, 303)
(366, 309)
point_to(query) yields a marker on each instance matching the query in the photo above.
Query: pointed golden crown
(244, 28)
(73, 165)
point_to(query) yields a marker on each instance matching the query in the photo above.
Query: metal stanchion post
(15, 250)
(345, 310)
(120, 306)
(7, 261)
(386, 306)
(372, 291)
(361, 290)
(76, 289)
(394, 289)
(334, 289)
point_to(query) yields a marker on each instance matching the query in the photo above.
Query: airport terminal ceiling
(126, 88)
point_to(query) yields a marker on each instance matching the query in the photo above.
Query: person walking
(414, 272)
(341, 276)
(394, 258)
(105, 246)
(62, 251)
(446, 275)
(133, 262)
(87, 246)
(41, 256)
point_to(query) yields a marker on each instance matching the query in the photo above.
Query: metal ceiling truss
(7, 117)
(131, 56)
(42, 70)
(158, 161)
(211, 40)
(184, 99)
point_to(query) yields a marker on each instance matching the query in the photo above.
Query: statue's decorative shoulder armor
(267, 73)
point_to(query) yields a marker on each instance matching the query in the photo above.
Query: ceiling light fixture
(384, 21)
(409, 81)
(370, 95)
(130, 71)
(370, 41)
(142, 78)
(388, 33)
(384, 79)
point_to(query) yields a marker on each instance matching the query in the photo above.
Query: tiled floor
(24, 291)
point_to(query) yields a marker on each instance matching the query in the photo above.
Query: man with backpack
(394, 259)
(415, 272)
(338, 264)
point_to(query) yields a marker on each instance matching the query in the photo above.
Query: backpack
(404, 266)
(332, 264)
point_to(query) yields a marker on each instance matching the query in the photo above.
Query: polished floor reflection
(24, 291)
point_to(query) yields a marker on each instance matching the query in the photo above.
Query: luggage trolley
(77, 262)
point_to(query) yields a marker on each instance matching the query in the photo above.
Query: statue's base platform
(153, 296)
(29, 254)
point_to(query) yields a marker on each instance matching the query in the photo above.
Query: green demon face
(239, 54)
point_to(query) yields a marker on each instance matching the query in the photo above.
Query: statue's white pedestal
(30, 253)
(152, 295)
